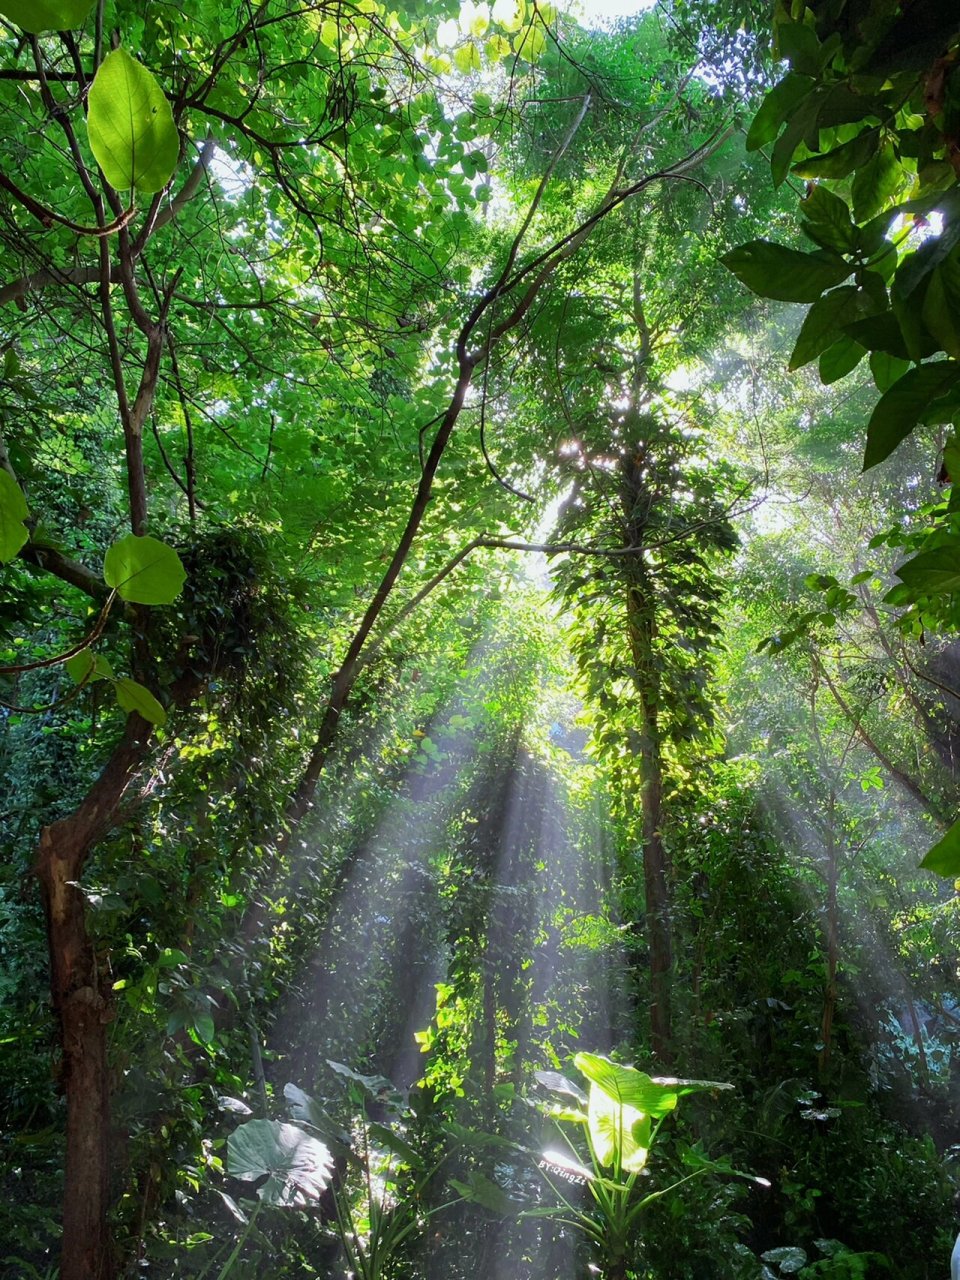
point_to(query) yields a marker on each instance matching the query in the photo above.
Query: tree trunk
(656, 886)
(81, 1000)
(655, 877)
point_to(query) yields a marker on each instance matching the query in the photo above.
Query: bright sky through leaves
(603, 12)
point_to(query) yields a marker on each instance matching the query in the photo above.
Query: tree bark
(82, 1003)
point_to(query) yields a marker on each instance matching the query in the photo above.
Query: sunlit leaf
(297, 1167)
(135, 697)
(131, 125)
(144, 570)
(13, 512)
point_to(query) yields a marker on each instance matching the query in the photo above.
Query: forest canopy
(479, 691)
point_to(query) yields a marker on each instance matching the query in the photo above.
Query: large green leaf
(774, 271)
(144, 570)
(131, 126)
(620, 1134)
(839, 359)
(944, 857)
(824, 322)
(37, 16)
(297, 1167)
(13, 512)
(901, 408)
(775, 108)
(933, 573)
(654, 1095)
(842, 160)
(135, 697)
(827, 221)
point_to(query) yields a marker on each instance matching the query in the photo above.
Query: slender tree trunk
(81, 1000)
(832, 930)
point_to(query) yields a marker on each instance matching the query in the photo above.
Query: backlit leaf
(131, 126)
(13, 512)
(901, 408)
(144, 570)
(134, 697)
(773, 271)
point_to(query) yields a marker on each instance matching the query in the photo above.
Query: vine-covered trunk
(81, 1000)
(655, 871)
(656, 887)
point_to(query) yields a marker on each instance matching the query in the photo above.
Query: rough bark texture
(81, 1001)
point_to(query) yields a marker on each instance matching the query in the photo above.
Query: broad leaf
(839, 359)
(37, 16)
(620, 1134)
(944, 857)
(297, 1167)
(824, 322)
(559, 1084)
(654, 1095)
(131, 125)
(134, 697)
(933, 573)
(826, 220)
(842, 160)
(144, 570)
(13, 512)
(775, 108)
(86, 666)
(901, 408)
(480, 1190)
(773, 271)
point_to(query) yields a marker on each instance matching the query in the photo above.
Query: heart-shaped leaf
(297, 1167)
(144, 570)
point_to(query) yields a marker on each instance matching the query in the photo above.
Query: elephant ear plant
(375, 1175)
(601, 1194)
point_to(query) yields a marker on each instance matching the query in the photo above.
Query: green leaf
(840, 359)
(654, 1095)
(773, 271)
(559, 1084)
(131, 126)
(37, 16)
(775, 108)
(944, 857)
(620, 1133)
(144, 570)
(901, 408)
(86, 666)
(842, 160)
(939, 314)
(134, 697)
(886, 369)
(203, 1025)
(13, 512)
(823, 323)
(876, 183)
(799, 45)
(827, 220)
(297, 1167)
(933, 573)
(480, 1190)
